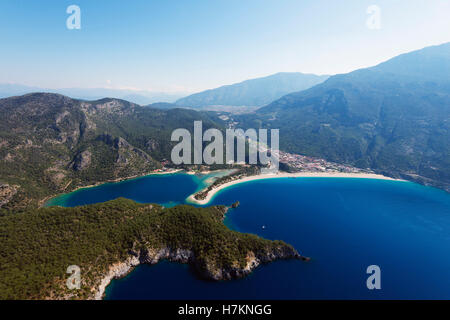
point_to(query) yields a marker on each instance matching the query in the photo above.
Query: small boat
(263, 227)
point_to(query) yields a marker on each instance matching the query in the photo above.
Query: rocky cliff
(205, 269)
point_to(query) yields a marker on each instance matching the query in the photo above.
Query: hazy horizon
(179, 48)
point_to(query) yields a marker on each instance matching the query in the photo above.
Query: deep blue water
(343, 224)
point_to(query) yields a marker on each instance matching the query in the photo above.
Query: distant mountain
(255, 92)
(140, 97)
(163, 105)
(394, 117)
(51, 143)
(9, 90)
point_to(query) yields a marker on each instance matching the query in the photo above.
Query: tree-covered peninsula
(107, 240)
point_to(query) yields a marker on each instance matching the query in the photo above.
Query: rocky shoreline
(205, 270)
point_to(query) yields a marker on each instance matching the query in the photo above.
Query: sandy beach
(288, 175)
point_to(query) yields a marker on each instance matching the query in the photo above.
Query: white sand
(287, 175)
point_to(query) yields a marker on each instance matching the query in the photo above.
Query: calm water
(165, 189)
(345, 225)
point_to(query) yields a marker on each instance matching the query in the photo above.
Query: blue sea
(343, 224)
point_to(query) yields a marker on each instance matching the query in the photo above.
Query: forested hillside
(51, 143)
(36, 247)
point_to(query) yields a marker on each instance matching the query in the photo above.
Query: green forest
(37, 246)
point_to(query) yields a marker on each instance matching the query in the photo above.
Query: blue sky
(195, 45)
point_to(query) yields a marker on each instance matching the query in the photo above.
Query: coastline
(43, 202)
(153, 256)
(214, 191)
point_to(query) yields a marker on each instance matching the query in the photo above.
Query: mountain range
(141, 97)
(254, 92)
(393, 117)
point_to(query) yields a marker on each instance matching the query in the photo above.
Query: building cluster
(303, 163)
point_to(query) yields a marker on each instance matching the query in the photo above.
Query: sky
(189, 46)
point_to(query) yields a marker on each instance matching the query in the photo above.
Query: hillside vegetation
(51, 143)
